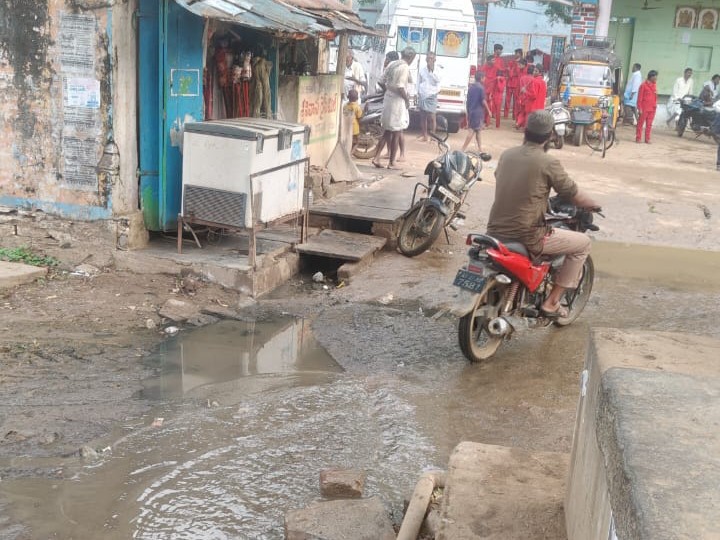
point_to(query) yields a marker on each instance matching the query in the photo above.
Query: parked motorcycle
(695, 115)
(503, 287)
(449, 179)
(561, 116)
(370, 129)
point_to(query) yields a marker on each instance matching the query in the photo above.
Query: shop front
(202, 60)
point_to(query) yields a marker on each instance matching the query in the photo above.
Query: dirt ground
(71, 345)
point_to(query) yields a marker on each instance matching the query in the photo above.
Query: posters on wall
(82, 124)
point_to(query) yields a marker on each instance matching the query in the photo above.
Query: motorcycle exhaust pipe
(499, 327)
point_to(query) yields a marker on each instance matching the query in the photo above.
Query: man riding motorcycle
(525, 176)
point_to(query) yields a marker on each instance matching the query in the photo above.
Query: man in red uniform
(524, 84)
(497, 98)
(513, 84)
(488, 68)
(539, 91)
(646, 105)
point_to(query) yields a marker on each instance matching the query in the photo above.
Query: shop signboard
(319, 106)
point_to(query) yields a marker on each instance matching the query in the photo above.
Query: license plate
(454, 198)
(469, 281)
(449, 92)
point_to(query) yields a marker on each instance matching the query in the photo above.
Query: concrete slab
(341, 245)
(13, 274)
(383, 201)
(223, 261)
(646, 445)
(499, 493)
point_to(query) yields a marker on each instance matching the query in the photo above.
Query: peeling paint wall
(55, 105)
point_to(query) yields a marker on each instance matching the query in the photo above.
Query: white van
(446, 27)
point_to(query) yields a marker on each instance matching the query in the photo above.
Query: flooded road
(251, 412)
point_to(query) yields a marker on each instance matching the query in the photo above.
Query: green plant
(25, 255)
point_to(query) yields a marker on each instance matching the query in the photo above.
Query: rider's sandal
(560, 313)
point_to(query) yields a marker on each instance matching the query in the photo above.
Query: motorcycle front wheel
(681, 125)
(579, 134)
(475, 340)
(558, 141)
(575, 300)
(420, 229)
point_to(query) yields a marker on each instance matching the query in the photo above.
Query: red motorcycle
(503, 287)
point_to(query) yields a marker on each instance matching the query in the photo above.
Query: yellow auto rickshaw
(589, 81)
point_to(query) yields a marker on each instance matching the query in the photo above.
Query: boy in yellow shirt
(354, 109)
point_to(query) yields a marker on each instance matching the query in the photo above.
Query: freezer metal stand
(185, 222)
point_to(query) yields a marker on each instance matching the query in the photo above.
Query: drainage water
(251, 413)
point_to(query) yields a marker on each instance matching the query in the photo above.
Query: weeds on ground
(25, 255)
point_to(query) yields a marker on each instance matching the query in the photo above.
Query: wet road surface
(253, 411)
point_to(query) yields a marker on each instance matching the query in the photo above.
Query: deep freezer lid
(224, 128)
(251, 129)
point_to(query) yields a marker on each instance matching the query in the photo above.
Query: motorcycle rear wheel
(681, 125)
(420, 229)
(475, 341)
(576, 300)
(368, 141)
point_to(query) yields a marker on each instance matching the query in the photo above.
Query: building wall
(56, 105)
(583, 23)
(658, 44)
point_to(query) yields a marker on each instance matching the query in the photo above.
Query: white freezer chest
(239, 168)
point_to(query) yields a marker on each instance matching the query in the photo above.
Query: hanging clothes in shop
(260, 98)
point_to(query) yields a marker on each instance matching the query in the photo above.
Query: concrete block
(498, 493)
(658, 434)
(13, 274)
(356, 519)
(646, 443)
(342, 483)
(179, 311)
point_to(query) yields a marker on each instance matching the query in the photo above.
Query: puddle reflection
(232, 350)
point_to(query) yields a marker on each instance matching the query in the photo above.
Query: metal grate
(215, 205)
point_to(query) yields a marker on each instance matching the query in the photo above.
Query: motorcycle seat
(517, 247)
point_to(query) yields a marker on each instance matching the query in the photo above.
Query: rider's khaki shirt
(524, 177)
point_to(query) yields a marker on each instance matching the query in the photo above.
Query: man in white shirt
(428, 90)
(682, 87)
(631, 95)
(354, 76)
(714, 85)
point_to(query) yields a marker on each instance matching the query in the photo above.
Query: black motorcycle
(696, 116)
(370, 129)
(449, 179)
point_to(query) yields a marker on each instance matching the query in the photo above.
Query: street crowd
(504, 88)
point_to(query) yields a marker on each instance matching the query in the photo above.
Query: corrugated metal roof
(330, 5)
(268, 15)
(289, 16)
(334, 14)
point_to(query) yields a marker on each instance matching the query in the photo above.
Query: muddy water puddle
(246, 416)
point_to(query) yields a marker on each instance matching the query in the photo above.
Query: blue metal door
(182, 100)
(149, 118)
(170, 64)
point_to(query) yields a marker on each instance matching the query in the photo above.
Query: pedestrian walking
(428, 90)
(477, 110)
(631, 95)
(646, 105)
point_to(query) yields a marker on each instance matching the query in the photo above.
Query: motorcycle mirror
(485, 157)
